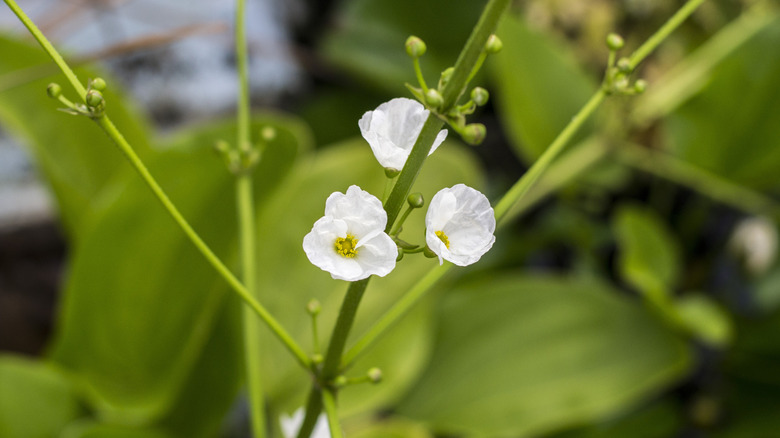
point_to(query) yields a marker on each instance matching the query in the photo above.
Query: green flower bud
(313, 307)
(221, 146)
(95, 99)
(415, 47)
(375, 375)
(97, 84)
(391, 173)
(317, 358)
(433, 98)
(493, 44)
(615, 42)
(640, 86)
(268, 133)
(415, 200)
(340, 381)
(624, 65)
(479, 95)
(474, 133)
(54, 90)
(445, 76)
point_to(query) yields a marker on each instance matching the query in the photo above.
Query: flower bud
(340, 381)
(615, 42)
(493, 44)
(445, 76)
(94, 99)
(416, 200)
(479, 95)
(624, 65)
(268, 133)
(433, 98)
(640, 86)
(97, 84)
(474, 133)
(415, 47)
(54, 90)
(317, 358)
(221, 146)
(313, 307)
(391, 173)
(375, 375)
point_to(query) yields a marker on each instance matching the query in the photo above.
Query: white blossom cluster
(350, 241)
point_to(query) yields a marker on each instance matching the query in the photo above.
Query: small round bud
(268, 133)
(615, 42)
(640, 86)
(624, 65)
(313, 307)
(415, 200)
(391, 173)
(479, 95)
(221, 146)
(433, 98)
(94, 99)
(340, 381)
(493, 44)
(415, 47)
(427, 252)
(54, 90)
(445, 76)
(317, 358)
(621, 84)
(474, 133)
(375, 375)
(97, 84)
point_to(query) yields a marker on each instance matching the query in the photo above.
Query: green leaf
(73, 154)
(36, 400)
(370, 36)
(140, 301)
(93, 429)
(731, 127)
(660, 419)
(648, 255)
(539, 88)
(392, 428)
(288, 280)
(705, 319)
(523, 355)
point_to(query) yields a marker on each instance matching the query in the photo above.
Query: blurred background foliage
(636, 292)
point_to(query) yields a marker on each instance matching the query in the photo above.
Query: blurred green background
(634, 294)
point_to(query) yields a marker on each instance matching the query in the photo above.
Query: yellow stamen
(346, 246)
(443, 237)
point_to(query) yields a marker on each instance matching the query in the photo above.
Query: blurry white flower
(460, 225)
(292, 424)
(350, 240)
(755, 239)
(392, 129)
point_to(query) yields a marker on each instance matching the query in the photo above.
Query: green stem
(420, 77)
(313, 405)
(349, 306)
(660, 35)
(397, 227)
(253, 353)
(673, 169)
(112, 132)
(329, 400)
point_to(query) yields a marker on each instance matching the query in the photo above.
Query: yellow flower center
(443, 237)
(346, 246)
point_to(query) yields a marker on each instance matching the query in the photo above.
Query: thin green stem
(521, 187)
(253, 354)
(313, 409)
(663, 32)
(329, 400)
(124, 147)
(420, 77)
(349, 306)
(400, 223)
(673, 169)
(477, 66)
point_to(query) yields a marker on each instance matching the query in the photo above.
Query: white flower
(755, 239)
(292, 424)
(460, 225)
(350, 240)
(392, 129)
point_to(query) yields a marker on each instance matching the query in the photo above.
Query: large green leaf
(521, 355)
(369, 38)
(731, 128)
(36, 400)
(539, 87)
(288, 280)
(140, 301)
(648, 256)
(73, 154)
